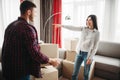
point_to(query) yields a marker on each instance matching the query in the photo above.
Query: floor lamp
(48, 19)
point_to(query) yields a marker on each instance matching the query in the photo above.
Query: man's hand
(54, 61)
(57, 25)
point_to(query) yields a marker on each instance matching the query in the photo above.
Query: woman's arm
(95, 47)
(70, 27)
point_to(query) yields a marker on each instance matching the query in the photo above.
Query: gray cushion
(107, 67)
(62, 53)
(107, 64)
(109, 49)
(106, 75)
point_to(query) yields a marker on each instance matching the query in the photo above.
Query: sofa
(107, 61)
(1, 78)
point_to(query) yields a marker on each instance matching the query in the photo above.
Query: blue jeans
(25, 77)
(22, 78)
(82, 56)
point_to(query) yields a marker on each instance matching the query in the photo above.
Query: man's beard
(31, 18)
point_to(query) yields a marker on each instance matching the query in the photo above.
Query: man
(21, 56)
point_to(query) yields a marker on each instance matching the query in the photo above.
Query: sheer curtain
(117, 21)
(107, 12)
(9, 11)
(110, 29)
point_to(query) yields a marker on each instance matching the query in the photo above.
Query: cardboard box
(58, 67)
(67, 70)
(51, 50)
(70, 44)
(70, 55)
(68, 67)
(49, 73)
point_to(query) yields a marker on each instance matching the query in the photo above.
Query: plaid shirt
(21, 54)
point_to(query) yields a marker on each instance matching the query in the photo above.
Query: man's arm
(32, 46)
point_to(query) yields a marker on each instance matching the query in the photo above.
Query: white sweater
(88, 41)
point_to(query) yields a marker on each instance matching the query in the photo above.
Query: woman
(86, 47)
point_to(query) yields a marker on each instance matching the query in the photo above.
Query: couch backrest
(109, 49)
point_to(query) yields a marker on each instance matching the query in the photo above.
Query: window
(9, 11)
(107, 12)
(78, 11)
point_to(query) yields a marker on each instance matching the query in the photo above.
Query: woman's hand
(89, 61)
(57, 25)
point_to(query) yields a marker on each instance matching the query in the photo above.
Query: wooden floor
(95, 78)
(62, 78)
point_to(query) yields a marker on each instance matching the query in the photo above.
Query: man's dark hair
(26, 5)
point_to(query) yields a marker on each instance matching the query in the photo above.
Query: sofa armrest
(0, 53)
(92, 69)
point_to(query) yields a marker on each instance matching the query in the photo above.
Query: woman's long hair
(94, 19)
